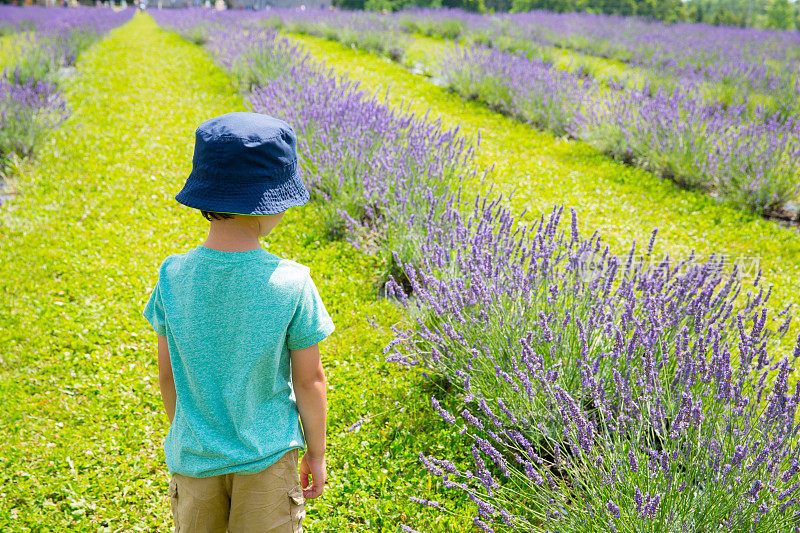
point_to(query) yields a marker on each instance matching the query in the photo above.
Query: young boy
(238, 332)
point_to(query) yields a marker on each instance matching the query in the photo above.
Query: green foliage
(397, 5)
(196, 34)
(445, 28)
(10, 48)
(666, 10)
(378, 5)
(82, 420)
(775, 14)
(34, 63)
(779, 15)
(797, 15)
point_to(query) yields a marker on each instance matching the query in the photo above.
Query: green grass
(623, 203)
(82, 419)
(424, 54)
(10, 47)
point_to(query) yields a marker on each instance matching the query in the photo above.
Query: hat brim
(256, 198)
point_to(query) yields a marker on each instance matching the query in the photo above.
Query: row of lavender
(744, 154)
(624, 397)
(745, 60)
(46, 41)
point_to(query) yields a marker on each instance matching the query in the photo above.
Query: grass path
(622, 202)
(82, 421)
(9, 48)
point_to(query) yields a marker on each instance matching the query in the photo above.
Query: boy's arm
(308, 381)
(165, 379)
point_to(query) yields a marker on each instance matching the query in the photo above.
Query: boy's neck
(231, 247)
(226, 236)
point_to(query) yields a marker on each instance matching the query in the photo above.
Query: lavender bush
(490, 282)
(431, 26)
(31, 17)
(380, 169)
(749, 158)
(253, 55)
(531, 91)
(728, 65)
(615, 384)
(757, 162)
(699, 452)
(739, 61)
(28, 109)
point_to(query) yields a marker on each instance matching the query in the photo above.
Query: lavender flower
(613, 509)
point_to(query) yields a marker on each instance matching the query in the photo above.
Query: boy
(238, 329)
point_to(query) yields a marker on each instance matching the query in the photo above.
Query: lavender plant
(618, 383)
(252, 56)
(728, 65)
(32, 17)
(489, 281)
(742, 61)
(28, 109)
(748, 158)
(530, 90)
(757, 164)
(447, 28)
(372, 32)
(379, 171)
(724, 460)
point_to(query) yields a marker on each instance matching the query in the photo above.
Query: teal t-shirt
(230, 319)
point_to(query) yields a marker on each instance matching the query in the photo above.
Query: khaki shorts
(268, 501)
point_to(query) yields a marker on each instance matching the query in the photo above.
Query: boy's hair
(216, 216)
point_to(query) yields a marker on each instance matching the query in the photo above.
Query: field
(516, 349)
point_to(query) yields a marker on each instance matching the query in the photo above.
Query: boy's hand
(316, 467)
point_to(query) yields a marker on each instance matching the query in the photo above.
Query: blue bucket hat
(244, 163)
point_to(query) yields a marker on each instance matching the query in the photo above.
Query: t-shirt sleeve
(311, 322)
(154, 312)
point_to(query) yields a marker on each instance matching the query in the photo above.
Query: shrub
(28, 109)
(602, 393)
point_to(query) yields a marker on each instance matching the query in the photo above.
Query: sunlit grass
(10, 48)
